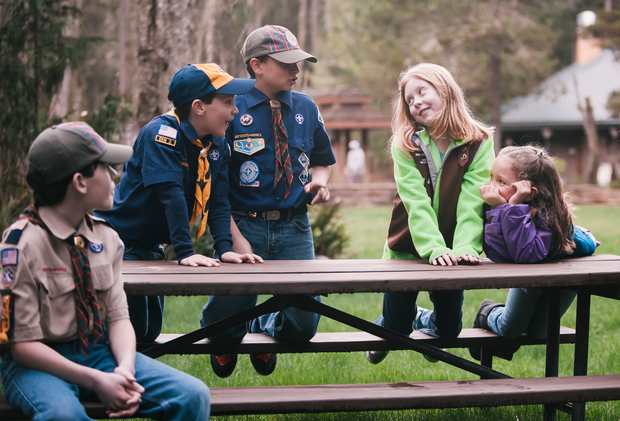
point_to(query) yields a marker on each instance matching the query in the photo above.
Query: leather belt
(273, 215)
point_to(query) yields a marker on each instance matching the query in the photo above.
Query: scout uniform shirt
(37, 274)
(166, 151)
(252, 144)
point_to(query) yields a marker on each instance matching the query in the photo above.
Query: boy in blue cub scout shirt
(65, 334)
(178, 173)
(280, 158)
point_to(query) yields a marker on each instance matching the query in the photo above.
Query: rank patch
(165, 140)
(7, 277)
(249, 145)
(299, 119)
(10, 257)
(167, 131)
(248, 174)
(95, 248)
(246, 120)
(214, 155)
(304, 177)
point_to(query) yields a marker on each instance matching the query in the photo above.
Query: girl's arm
(423, 224)
(525, 242)
(469, 223)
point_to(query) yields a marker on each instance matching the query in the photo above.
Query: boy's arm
(122, 340)
(318, 185)
(115, 391)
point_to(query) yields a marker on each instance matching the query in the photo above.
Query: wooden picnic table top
(357, 275)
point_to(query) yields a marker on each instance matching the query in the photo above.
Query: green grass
(368, 227)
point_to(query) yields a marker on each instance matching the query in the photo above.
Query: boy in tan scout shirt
(65, 326)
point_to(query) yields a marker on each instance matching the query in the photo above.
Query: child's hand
(469, 259)
(118, 394)
(196, 260)
(320, 191)
(232, 257)
(446, 259)
(523, 190)
(490, 194)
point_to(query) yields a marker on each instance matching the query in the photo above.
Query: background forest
(109, 62)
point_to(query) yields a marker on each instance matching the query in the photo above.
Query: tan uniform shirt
(41, 277)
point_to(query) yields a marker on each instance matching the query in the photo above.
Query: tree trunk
(122, 40)
(593, 155)
(206, 39)
(314, 25)
(164, 35)
(495, 64)
(302, 19)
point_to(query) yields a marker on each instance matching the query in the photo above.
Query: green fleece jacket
(423, 223)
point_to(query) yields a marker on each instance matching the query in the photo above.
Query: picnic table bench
(599, 274)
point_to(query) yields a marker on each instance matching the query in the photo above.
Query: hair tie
(540, 154)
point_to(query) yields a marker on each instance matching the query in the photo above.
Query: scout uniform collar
(60, 228)
(255, 97)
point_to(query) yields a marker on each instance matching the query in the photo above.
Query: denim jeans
(169, 393)
(271, 240)
(399, 311)
(145, 311)
(526, 313)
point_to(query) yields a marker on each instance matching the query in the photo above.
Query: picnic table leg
(272, 305)
(581, 347)
(307, 303)
(553, 346)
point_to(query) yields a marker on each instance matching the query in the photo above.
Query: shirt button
(278, 200)
(303, 146)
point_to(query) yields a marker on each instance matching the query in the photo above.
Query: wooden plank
(351, 342)
(311, 277)
(393, 396)
(415, 395)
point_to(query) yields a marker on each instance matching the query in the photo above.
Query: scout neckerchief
(203, 188)
(283, 160)
(85, 294)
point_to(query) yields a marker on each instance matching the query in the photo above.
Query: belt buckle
(252, 214)
(273, 215)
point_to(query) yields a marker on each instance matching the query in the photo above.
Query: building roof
(348, 109)
(554, 103)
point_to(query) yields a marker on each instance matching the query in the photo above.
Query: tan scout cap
(66, 148)
(275, 41)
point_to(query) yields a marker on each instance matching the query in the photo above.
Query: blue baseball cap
(196, 81)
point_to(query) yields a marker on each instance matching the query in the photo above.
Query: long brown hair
(456, 119)
(534, 164)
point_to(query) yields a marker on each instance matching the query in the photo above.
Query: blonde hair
(455, 119)
(534, 164)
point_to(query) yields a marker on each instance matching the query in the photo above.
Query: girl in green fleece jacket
(442, 155)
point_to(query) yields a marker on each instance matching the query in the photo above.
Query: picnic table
(292, 283)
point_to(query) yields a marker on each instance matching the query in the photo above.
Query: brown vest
(455, 166)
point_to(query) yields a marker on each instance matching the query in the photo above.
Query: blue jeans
(526, 313)
(271, 240)
(169, 393)
(145, 311)
(399, 311)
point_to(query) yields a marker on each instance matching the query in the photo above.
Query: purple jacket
(511, 236)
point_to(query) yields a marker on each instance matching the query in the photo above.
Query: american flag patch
(167, 131)
(9, 257)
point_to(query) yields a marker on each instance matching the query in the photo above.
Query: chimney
(587, 46)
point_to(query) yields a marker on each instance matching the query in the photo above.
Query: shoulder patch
(10, 257)
(165, 140)
(167, 131)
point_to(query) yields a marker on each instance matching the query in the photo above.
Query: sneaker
(375, 357)
(264, 364)
(480, 321)
(431, 359)
(416, 326)
(223, 365)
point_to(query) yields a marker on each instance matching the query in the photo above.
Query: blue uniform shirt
(252, 162)
(154, 200)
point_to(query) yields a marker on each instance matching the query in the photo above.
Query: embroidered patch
(246, 120)
(95, 248)
(248, 174)
(167, 131)
(7, 277)
(321, 119)
(45, 270)
(10, 257)
(249, 145)
(304, 160)
(299, 119)
(165, 140)
(214, 155)
(304, 177)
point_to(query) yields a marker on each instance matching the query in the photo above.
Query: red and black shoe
(223, 365)
(264, 363)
